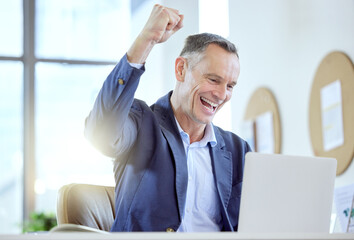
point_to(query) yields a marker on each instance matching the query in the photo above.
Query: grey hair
(195, 45)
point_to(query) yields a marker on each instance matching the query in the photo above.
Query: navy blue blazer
(151, 175)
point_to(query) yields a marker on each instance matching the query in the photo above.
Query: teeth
(208, 101)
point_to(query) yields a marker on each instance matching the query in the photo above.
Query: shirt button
(170, 230)
(120, 81)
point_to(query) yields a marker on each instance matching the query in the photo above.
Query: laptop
(286, 194)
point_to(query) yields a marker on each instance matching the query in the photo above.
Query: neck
(194, 130)
(197, 136)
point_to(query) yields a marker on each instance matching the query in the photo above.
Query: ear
(180, 68)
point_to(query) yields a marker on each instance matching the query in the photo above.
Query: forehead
(217, 60)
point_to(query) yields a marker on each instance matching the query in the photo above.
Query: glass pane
(81, 29)
(11, 28)
(11, 154)
(65, 94)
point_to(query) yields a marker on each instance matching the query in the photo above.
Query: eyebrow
(213, 75)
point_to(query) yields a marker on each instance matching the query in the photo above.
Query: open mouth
(209, 104)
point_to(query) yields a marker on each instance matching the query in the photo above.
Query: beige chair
(84, 207)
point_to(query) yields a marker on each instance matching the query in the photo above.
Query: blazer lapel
(222, 165)
(164, 113)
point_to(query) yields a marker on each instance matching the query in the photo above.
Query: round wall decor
(331, 111)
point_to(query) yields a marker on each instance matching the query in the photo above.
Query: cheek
(228, 96)
(194, 90)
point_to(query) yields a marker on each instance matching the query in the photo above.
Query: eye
(230, 87)
(212, 80)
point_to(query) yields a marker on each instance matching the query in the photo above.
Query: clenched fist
(162, 23)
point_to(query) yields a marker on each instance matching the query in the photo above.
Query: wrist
(140, 49)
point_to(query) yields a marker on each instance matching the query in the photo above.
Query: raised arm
(112, 124)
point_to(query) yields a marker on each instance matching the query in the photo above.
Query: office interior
(55, 55)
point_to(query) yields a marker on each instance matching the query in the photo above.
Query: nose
(220, 92)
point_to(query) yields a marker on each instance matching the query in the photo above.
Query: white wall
(280, 42)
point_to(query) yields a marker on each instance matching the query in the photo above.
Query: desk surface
(177, 236)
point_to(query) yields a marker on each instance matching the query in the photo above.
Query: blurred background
(55, 55)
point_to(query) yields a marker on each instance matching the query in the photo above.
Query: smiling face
(203, 89)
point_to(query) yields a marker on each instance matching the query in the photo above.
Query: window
(91, 30)
(78, 35)
(11, 160)
(11, 106)
(56, 54)
(65, 95)
(11, 28)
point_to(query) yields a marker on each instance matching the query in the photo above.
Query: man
(174, 170)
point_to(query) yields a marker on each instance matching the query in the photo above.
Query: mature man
(174, 170)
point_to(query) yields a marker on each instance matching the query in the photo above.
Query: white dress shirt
(202, 208)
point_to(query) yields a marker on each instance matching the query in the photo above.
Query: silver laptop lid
(286, 193)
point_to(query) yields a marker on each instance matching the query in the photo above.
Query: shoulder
(139, 105)
(143, 114)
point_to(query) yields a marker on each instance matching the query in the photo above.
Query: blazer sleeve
(108, 126)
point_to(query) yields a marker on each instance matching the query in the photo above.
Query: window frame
(29, 61)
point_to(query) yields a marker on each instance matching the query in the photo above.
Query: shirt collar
(209, 135)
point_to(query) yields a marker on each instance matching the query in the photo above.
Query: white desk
(177, 236)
